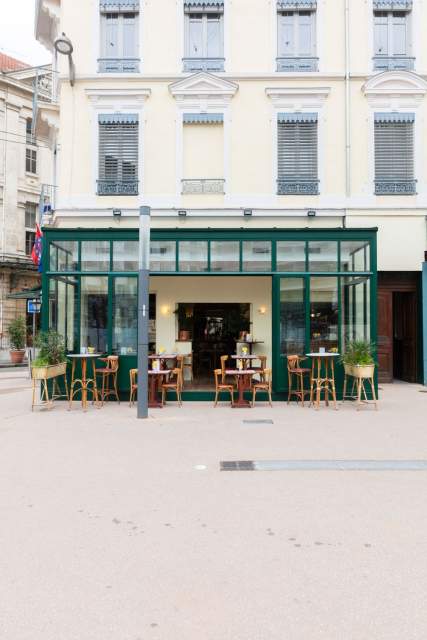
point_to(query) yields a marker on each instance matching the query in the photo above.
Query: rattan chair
(133, 375)
(188, 365)
(221, 386)
(173, 384)
(296, 372)
(264, 385)
(108, 374)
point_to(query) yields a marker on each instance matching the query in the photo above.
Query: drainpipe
(3, 222)
(347, 101)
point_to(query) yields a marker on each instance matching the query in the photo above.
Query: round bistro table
(84, 384)
(322, 377)
(244, 377)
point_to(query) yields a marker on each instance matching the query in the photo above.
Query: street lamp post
(143, 309)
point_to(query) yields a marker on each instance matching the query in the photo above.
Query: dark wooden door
(405, 336)
(385, 335)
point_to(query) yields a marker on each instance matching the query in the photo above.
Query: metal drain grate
(258, 422)
(324, 465)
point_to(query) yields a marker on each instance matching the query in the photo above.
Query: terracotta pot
(17, 356)
(50, 371)
(184, 335)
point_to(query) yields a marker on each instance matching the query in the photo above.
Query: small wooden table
(322, 377)
(163, 357)
(83, 383)
(154, 380)
(244, 377)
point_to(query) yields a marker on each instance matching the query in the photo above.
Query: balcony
(203, 186)
(393, 63)
(203, 64)
(117, 187)
(385, 187)
(297, 187)
(297, 64)
(118, 65)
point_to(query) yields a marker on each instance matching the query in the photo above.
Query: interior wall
(253, 290)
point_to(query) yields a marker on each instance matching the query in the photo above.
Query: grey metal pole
(143, 309)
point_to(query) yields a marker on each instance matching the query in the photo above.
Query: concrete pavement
(113, 528)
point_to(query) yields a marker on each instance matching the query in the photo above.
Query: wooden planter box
(48, 372)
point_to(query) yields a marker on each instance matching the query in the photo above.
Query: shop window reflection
(323, 313)
(94, 313)
(125, 316)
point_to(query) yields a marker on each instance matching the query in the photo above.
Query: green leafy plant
(52, 348)
(17, 333)
(359, 352)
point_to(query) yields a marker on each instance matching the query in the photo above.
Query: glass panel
(94, 312)
(323, 313)
(292, 316)
(224, 256)
(195, 36)
(323, 256)
(193, 256)
(256, 255)
(125, 316)
(125, 255)
(355, 312)
(95, 255)
(355, 255)
(214, 36)
(63, 255)
(290, 255)
(162, 255)
(62, 309)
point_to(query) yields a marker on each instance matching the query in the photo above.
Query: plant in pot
(17, 334)
(358, 359)
(51, 360)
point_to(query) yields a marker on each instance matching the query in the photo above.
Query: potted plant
(17, 334)
(358, 359)
(51, 361)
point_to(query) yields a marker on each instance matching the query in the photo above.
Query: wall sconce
(164, 309)
(182, 213)
(247, 213)
(262, 310)
(311, 213)
(117, 213)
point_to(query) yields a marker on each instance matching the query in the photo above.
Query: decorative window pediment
(203, 90)
(294, 99)
(395, 89)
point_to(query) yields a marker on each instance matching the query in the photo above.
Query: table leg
(73, 369)
(84, 384)
(95, 386)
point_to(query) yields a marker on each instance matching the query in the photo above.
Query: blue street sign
(33, 306)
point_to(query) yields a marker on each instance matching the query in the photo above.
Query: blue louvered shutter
(118, 154)
(297, 154)
(394, 154)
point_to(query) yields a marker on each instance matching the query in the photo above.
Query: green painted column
(424, 295)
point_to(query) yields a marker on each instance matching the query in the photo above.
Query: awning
(26, 294)
(392, 5)
(118, 118)
(203, 118)
(203, 5)
(297, 117)
(394, 117)
(294, 5)
(119, 6)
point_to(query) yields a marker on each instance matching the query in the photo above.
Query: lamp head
(63, 45)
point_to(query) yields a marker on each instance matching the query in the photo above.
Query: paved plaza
(119, 529)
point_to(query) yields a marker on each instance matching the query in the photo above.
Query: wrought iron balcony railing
(117, 187)
(391, 187)
(203, 64)
(297, 186)
(393, 63)
(288, 63)
(203, 186)
(118, 65)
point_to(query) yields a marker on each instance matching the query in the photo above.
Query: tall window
(296, 36)
(394, 154)
(204, 40)
(297, 154)
(392, 50)
(30, 226)
(119, 36)
(118, 154)
(31, 150)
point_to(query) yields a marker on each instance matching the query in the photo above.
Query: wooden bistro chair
(133, 375)
(109, 375)
(173, 384)
(263, 385)
(188, 365)
(263, 366)
(222, 386)
(296, 373)
(223, 360)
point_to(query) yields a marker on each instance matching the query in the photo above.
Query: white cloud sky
(17, 32)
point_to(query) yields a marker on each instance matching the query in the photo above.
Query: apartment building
(279, 144)
(25, 171)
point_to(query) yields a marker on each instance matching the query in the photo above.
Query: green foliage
(359, 352)
(17, 333)
(52, 348)
(40, 362)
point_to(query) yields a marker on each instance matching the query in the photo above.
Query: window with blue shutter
(204, 35)
(297, 170)
(119, 36)
(118, 154)
(394, 154)
(296, 35)
(392, 35)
